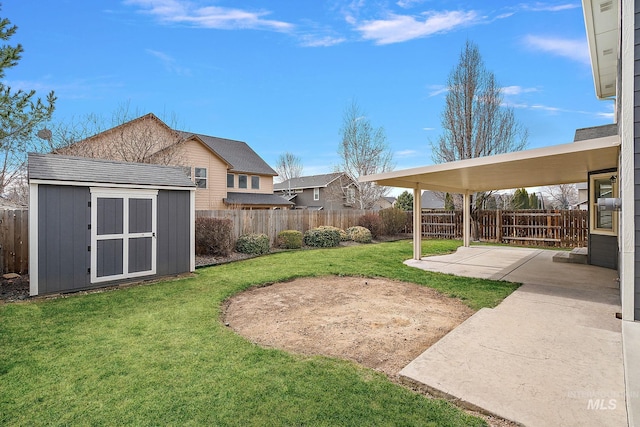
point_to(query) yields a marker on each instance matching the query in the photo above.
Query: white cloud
(169, 63)
(573, 49)
(222, 18)
(546, 7)
(428, 129)
(406, 4)
(517, 90)
(320, 41)
(435, 90)
(406, 153)
(401, 28)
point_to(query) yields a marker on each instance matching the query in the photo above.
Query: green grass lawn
(159, 355)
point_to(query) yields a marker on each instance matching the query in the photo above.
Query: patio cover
(558, 164)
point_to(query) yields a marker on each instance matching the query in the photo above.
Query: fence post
(498, 225)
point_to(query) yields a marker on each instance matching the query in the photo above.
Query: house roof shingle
(429, 200)
(238, 154)
(311, 181)
(594, 132)
(256, 199)
(56, 167)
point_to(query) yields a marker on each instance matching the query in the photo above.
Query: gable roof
(594, 132)
(54, 167)
(311, 181)
(430, 200)
(237, 154)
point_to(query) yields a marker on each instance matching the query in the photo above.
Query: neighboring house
(227, 173)
(329, 191)
(583, 196)
(431, 200)
(385, 203)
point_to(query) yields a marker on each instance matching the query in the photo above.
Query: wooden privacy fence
(558, 228)
(271, 222)
(14, 241)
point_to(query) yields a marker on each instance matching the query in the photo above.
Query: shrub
(359, 234)
(214, 236)
(254, 244)
(343, 234)
(372, 222)
(393, 220)
(322, 237)
(289, 239)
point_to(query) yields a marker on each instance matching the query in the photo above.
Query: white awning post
(417, 223)
(466, 219)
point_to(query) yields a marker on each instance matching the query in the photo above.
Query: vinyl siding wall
(196, 155)
(636, 146)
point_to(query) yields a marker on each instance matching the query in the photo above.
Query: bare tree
(562, 196)
(288, 166)
(364, 151)
(128, 136)
(474, 121)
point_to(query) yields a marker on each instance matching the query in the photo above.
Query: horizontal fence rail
(14, 241)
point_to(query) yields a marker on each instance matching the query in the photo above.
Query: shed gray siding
(174, 232)
(636, 149)
(64, 236)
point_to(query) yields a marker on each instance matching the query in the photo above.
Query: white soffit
(558, 164)
(601, 21)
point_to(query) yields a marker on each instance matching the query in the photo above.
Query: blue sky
(279, 74)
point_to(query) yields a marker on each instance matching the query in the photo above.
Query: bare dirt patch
(382, 324)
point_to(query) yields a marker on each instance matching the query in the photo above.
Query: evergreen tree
(405, 201)
(520, 199)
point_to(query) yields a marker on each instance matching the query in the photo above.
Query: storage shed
(96, 223)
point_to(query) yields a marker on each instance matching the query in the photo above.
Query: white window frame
(124, 194)
(316, 194)
(593, 204)
(350, 195)
(204, 178)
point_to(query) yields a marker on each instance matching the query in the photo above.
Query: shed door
(123, 234)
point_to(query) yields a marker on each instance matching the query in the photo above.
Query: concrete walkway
(549, 355)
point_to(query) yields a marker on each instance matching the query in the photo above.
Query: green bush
(394, 220)
(289, 239)
(343, 234)
(254, 244)
(322, 237)
(372, 222)
(359, 234)
(214, 236)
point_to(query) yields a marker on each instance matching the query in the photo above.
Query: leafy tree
(449, 204)
(520, 199)
(20, 114)
(475, 122)
(288, 166)
(534, 202)
(405, 201)
(364, 151)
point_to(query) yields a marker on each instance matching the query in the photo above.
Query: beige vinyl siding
(266, 184)
(196, 155)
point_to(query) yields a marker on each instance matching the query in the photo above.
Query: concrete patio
(550, 354)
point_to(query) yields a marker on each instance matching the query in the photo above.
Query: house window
(351, 195)
(201, 177)
(316, 194)
(603, 185)
(255, 182)
(242, 181)
(231, 180)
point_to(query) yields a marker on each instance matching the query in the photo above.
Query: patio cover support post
(417, 223)
(466, 219)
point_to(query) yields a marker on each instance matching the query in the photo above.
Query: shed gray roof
(238, 154)
(595, 132)
(55, 167)
(311, 181)
(256, 199)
